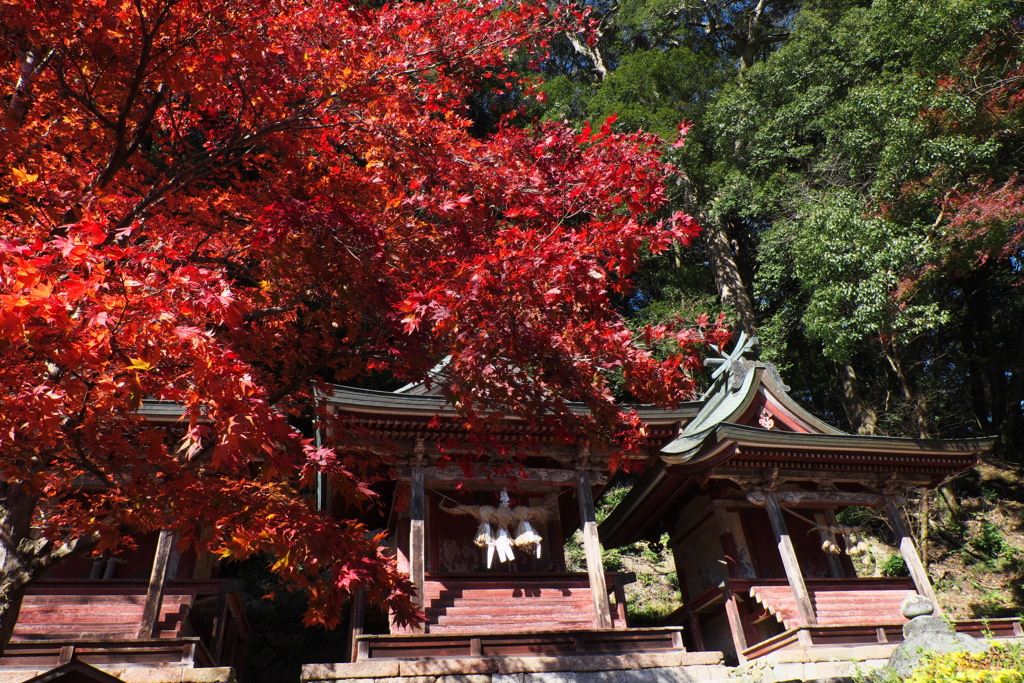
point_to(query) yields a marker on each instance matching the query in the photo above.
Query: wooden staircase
(864, 602)
(515, 603)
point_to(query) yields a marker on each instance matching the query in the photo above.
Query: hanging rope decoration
(497, 525)
(853, 537)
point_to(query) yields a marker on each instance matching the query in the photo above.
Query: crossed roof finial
(731, 363)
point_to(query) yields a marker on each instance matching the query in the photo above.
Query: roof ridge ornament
(774, 372)
(731, 366)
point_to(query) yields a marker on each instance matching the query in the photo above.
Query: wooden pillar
(356, 618)
(834, 565)
(903, 539)
(789, 561)
(157, 584)
(556, 540)
(692, 620)
(221, 616)
(592, 548)
(732, 603)
(620, 605)
(416, 538)
(849, 571)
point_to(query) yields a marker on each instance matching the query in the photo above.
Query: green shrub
(895, 565)
(989, 542)
(611, 562)
(854, 516)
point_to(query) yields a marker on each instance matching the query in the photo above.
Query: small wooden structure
(199, 623)
(748, 493)
(530, 605)
(147, 607)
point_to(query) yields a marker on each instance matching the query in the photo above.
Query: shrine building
(747, 486)
(746, 483)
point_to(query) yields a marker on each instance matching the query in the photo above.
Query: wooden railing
(532, 644)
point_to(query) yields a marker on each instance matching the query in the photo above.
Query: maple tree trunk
(16, 508)
(863, 417)
(10, 605)
(728, 281)
(25, 557)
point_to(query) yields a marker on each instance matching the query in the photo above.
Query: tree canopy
(227, 207)
(856, 176)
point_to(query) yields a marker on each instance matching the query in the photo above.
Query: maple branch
(374, 78)
(200, 166)
(122, 150)
(36, 559)
(83, 457)
(122, 153)
(303, 377)
(87, 102)
(253, 316)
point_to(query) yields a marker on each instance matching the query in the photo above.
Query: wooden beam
(732, 605)
(821, 498)
(789, 560)
(692, 620)
(753, 476)
(221, 616)
(481, 475)
(909, 552)
(417, 548)
(157, 583)
(592, 548)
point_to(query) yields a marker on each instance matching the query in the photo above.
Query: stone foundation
(669, 667)
(826, 664)
(139, 674)
(815, 664)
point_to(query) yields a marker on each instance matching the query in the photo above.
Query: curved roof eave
(351, 399)
(745, 436)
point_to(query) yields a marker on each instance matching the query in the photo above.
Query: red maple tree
(225, 205)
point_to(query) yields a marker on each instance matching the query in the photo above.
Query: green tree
(816, 149)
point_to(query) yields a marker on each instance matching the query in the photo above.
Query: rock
(925, 633)
(925, 625)
(916, 606)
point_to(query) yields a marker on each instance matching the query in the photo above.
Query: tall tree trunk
(975, 378)
(732, 291)
(32, 62)
(863, 417)
(592, 53)
(986, 351)
(915, 400)
(1011, 439)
